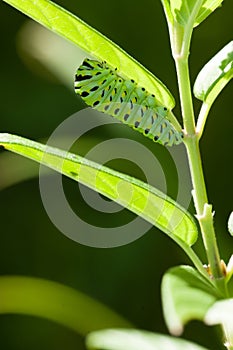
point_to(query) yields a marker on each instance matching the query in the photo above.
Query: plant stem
(180, 40)
(205, 108)
(204, 214)
(204, 210)
(193, 257)
(182, 70)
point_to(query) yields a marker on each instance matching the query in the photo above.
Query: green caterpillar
(103, 89)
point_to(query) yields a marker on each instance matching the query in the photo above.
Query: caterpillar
(103, 89)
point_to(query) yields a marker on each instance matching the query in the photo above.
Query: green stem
(185, 94)
(205, 108)
(204, 210)
(193, 257)
(204, 216)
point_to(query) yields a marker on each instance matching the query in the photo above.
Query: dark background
(127, 278)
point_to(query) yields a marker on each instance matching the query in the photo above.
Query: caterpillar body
(103, 89)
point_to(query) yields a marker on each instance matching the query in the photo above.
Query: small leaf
(230, 224)
(186, 11)
(222, 313)
(119, 339)
(64, 23)
(139, 197)
(215, 75)
(186, 295)
(57, 303)
(207, 8)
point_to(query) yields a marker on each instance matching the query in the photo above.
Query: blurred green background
(34, 101)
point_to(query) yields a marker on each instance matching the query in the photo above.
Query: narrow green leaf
(137, 196)
(222, 313)
(230, 224)
(215, 75)
(207, 8)
(192, 11)
(95, 44)
(56, 302)
(186, 295)
(120, 339)
(15, 169)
